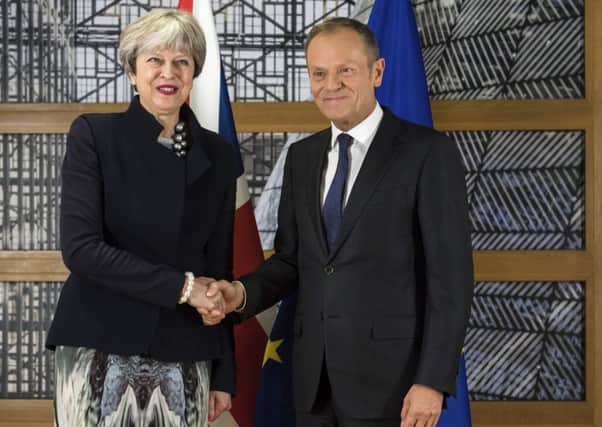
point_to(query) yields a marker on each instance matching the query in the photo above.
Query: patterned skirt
(106, 390)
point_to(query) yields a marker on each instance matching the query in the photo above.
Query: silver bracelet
(188, 288)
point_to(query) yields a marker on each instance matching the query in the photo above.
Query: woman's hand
(212, 307)
(219, 401)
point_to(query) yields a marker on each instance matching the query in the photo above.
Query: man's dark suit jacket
(134, 217)
(388, 306)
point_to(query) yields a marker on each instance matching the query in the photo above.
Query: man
(373, 233)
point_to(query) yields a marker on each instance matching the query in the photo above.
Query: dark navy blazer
(134, 218)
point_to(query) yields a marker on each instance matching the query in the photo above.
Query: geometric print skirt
(95, 389)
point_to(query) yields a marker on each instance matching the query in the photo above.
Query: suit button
(329, 269)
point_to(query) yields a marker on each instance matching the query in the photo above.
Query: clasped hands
(214, 299)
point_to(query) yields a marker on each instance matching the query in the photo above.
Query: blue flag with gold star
(274, 405)
(404, 91)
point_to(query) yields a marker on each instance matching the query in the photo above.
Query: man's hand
(219, 402)
(232, 294)
(421, 407)
(213, 306)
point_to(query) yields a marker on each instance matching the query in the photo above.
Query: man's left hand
(421, 407)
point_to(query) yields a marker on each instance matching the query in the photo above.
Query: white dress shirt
(362, 135)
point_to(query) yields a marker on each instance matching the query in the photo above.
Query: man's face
(342, 78)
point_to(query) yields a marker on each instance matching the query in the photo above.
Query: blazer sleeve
(223, 370)
(219, 247)
(85, 252)
(444, 229)
(219, 255)
(277, 277)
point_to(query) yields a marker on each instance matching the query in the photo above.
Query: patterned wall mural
(26, 369)
(511, 49)
(525, 341)
(526, 189)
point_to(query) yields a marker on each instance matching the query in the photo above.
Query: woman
(147, 205)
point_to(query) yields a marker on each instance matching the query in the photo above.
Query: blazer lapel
(378, 159)
(144, 129)
(161, 171)
(315, 186)
(155, 171)
(197, 161)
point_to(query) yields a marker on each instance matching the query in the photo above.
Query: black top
(134, 218)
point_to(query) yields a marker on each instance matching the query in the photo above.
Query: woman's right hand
(213, 308)
(219, 401)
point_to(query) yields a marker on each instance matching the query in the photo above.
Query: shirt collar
(363, 131)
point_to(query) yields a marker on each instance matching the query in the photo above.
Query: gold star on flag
(271, 352)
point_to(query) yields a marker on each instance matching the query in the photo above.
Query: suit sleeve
(277, 277)
(85, 252)
(443, 218)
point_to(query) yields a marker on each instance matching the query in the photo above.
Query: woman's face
(163, 79)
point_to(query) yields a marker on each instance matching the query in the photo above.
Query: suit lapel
(315, 185)
(379, 158)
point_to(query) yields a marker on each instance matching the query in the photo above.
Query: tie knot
(344, 139)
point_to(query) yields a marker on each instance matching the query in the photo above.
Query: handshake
(214, 299)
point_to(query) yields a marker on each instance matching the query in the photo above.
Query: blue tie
(332, 211)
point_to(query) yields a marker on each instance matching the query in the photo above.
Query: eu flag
(274, 406)
(404, 91)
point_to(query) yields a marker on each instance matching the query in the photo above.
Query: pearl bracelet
(188, 288)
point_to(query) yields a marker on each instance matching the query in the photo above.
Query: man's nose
(333, 81)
